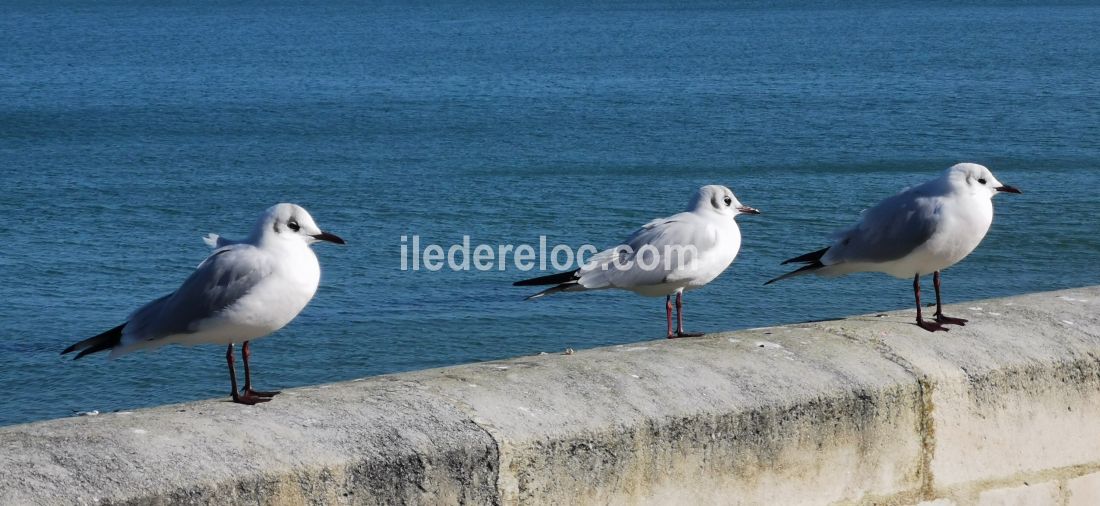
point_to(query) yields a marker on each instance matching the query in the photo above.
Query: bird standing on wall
(666, 256)
(922, 230)
(243, 291)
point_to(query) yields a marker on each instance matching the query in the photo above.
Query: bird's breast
(963, 227)
(278, 299)
(714, 260)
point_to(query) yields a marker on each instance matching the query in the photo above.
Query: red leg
(926, 325)
(232, 372)
(680, 318)
(246, 353)
(940, 318)
(245, 397)
(668, 315)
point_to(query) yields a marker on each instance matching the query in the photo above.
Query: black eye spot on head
(293, 224)
(981, 180)
(728, 201)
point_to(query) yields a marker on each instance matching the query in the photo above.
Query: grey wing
(889, 231)
(222, 279)
(664, 238)
(681, 230)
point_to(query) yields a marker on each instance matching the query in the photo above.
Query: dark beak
(325, 236)
(1008, 189)
(748, 210)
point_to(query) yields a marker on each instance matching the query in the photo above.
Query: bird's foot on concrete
(930, 325)
(250, 397)
(261, 393)
(681, 333)
(947, 320)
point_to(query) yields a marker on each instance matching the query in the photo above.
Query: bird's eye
(981, 180)
(293, 224)
(728, 201)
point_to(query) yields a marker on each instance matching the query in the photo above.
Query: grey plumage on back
(884, 236)
(216, 284)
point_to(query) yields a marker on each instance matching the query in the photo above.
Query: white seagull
(244, 290)
(922, 230)
(666, 256)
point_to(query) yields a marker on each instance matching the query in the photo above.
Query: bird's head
(291, 222)
(718, 199)
(975, 178)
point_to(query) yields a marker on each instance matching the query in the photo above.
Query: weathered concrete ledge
(866, 410)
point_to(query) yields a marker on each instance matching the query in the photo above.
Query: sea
(131, 129)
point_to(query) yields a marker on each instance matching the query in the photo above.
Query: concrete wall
(866, 410)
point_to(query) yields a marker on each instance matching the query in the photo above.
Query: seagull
(922, 230)
(243, 291)
(666, 256)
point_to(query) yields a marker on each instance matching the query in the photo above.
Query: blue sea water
(128, 130)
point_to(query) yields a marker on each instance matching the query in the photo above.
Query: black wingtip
(94, 344)
(552, 279)
(805, 269)
(813, 256)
